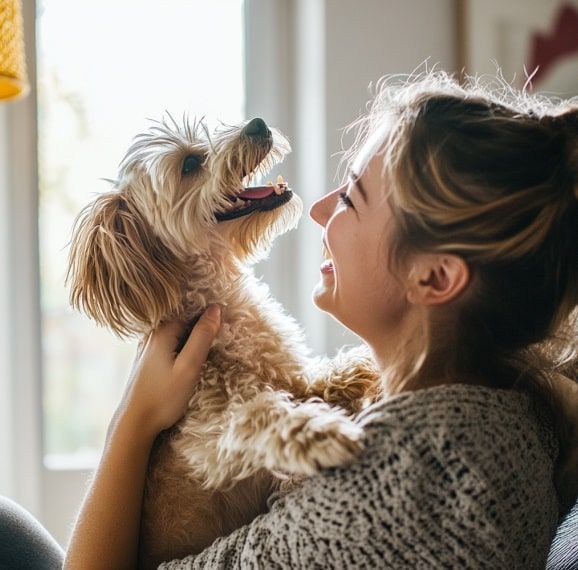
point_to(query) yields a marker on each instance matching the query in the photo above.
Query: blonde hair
(489, 173)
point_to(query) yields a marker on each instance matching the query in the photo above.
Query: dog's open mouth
(256, 198)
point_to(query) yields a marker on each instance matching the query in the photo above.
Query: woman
(453, 253)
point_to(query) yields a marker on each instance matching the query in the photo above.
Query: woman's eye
(344, 199)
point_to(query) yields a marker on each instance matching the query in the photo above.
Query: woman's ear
(436, 279)
(120, 273)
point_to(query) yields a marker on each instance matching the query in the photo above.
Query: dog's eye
(191, 163)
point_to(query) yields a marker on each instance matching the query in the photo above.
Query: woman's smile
(327, 267)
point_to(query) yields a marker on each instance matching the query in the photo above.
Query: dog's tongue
(256, 192)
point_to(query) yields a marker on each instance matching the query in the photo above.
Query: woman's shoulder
(470, 425)
(453, 406)
(451, 400)
(467, 455)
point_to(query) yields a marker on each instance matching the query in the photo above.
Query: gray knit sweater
(453, 476)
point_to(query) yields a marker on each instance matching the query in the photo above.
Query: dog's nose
(257, 128)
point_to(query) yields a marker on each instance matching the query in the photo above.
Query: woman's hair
(489, 173)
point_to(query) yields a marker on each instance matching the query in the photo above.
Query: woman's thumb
(208, 325)
(204, 332)
(213, 313)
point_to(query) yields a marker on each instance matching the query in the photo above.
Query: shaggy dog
(178, 232)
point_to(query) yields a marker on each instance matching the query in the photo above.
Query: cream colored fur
(264, 411)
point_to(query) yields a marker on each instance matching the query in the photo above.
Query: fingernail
(213, 312)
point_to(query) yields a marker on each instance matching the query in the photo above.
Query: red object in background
(547, 49)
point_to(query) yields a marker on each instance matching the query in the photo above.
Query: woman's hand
(161, 381)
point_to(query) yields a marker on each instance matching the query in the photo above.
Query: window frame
(21, 409)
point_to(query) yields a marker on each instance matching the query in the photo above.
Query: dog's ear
(120, 273)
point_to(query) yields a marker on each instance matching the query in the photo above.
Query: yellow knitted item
(13, 80)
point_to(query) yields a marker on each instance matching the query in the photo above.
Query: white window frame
(20, 404)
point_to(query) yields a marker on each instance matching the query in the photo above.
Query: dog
(180, 230)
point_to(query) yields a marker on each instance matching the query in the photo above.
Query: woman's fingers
(196, 349)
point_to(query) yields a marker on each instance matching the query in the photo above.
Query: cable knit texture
(454, 476)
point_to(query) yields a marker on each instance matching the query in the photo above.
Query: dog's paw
(352, 394)
(328, 440)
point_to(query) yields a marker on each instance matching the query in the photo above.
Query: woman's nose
(321, 210)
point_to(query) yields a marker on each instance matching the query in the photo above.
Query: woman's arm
(107, 529)
(106, 532)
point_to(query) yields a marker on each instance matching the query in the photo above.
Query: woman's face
(357, 287)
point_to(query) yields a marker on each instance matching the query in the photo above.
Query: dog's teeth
(280, 187)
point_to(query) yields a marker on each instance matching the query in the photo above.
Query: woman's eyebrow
(357, 182)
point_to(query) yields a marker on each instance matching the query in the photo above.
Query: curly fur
(264, 411)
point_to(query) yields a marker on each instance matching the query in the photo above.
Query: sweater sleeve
(424, 494)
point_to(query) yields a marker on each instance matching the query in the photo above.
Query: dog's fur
(152, 250)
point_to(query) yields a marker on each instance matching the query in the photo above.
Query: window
(99, 76)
